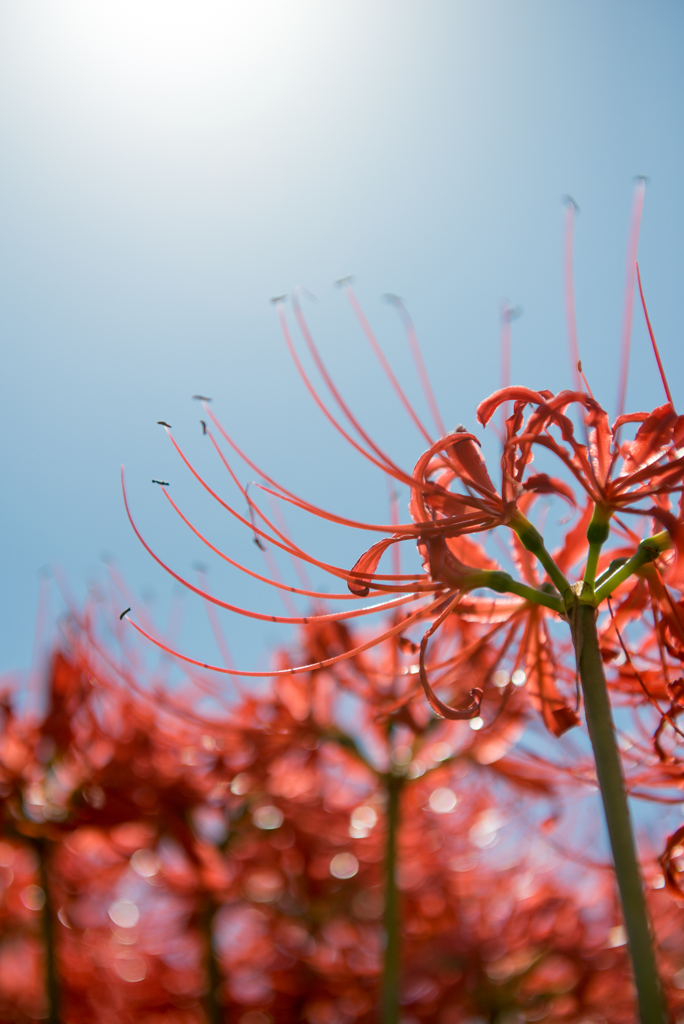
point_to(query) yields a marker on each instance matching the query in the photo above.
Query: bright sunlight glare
(179, 59)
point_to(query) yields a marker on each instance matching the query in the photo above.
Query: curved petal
(465, 711)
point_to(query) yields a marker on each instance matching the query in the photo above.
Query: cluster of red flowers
(155, 865)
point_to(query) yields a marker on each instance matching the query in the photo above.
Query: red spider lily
(92, 772)
(453, 497)
(616, 477)
(224, 838)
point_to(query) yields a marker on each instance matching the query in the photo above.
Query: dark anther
(200, 398)
(278, 298)
(162, 483)
(163, 423)
(123, 614)
(204, 426)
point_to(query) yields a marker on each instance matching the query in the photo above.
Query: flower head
(453, 499)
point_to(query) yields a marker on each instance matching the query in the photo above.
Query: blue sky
(166, 168)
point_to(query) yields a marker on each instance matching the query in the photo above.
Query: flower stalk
(48, 918)
(502, 583)
(597, 535)
(648, 551)
(532, 540)
(616, 808)
(212, 999)
(391, 967)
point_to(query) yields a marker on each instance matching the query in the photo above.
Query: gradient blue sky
(166, 167)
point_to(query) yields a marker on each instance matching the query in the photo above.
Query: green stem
(391, 974)
(598, 532)
(213, 1001)
(648, 551)
(616, 808)
(532, 540)
(52, 989)
(502, 583)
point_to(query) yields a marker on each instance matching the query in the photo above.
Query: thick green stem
(614, 795)
(391, 921)
(52, 990)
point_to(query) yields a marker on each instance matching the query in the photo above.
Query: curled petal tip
(124, 614)
(465, 711)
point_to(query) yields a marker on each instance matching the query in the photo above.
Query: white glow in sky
(174, 57)
(167, 167)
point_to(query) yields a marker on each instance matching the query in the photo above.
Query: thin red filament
(653, 341)
(569, 281)
(632, 247)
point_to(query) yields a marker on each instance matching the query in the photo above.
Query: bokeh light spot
(344, 865)
(33, 897)
(442, 800)
(268, 817)
(124, 913)
(145, 863)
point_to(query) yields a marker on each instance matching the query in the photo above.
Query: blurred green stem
(391, 971)
(615, 805)
(213, 1001)
(52, 988)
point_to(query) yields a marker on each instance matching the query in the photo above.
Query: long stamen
(297, 669)
(632, 247)
(653, 341)
(313, 349)
(290, 620)
(506, 315)
(286, 546)
(382, 359)
(568, 277)
(407, 530)
(297, 564)
(394, 518)
(417, 354)
(580, 371)
(385, 463)
(214, 623)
